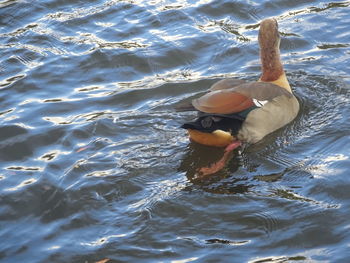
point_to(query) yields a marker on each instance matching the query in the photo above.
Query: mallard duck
(237, 111)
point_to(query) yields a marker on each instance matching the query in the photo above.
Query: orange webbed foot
(217, 166)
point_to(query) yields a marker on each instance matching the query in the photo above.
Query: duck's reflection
(222, 182)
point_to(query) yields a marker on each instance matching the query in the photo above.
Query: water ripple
(94, 166)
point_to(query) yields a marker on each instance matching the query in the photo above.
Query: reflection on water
(198, 156)
(95, 167)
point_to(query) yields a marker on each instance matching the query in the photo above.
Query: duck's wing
(226, 84)
(261, 90)
(223, 102)
(238, 98)
(185, 106)
(219, 85)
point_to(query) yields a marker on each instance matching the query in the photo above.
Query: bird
(235, 112)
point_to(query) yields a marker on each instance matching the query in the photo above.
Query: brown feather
(269, 40)
(223, 102)
(226, 84)
(237, 98)
(261, 90)
(185, 106)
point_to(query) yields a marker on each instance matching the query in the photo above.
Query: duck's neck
(271, 63)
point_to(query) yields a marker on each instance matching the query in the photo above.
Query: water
(93, 163)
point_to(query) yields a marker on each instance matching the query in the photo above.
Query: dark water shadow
(222, 182)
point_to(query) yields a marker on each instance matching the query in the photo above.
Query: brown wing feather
(223, 102)
(227, 84)
(261, 90)
(185, 106)
(234, 95)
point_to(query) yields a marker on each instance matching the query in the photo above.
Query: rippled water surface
(94, 166)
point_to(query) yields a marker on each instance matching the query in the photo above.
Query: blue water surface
(94, 166)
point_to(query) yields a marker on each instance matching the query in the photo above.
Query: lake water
(94, 166)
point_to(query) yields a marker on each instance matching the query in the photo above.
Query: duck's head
(269, 37)
(269, 41)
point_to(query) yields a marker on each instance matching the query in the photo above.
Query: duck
(235, 112)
